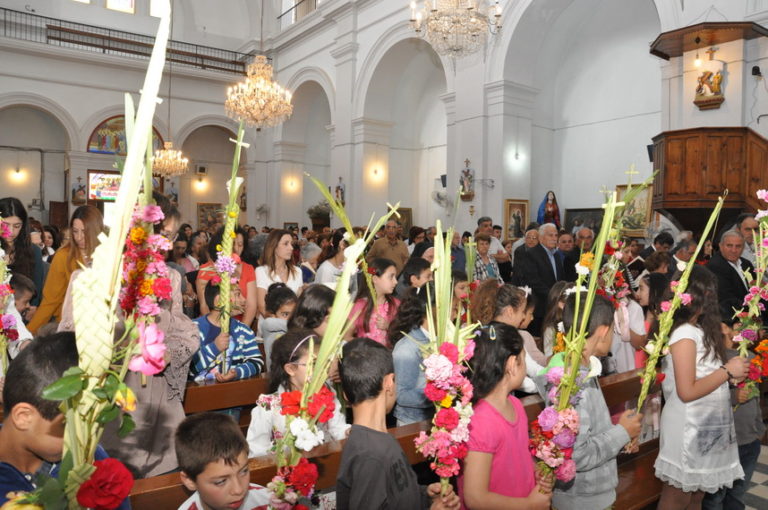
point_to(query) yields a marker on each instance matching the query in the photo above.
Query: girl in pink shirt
(498, 470)
(372, 319)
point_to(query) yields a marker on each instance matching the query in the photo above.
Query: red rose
(447, 418)
(107, 487)
(434, 393)
(162, 288)
(324, 397)
(291, 402)
(303, 476)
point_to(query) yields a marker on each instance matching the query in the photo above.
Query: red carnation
(447, 418)
(162, 288)
(291, 402)
(450, 351)
(434, 393)
(324, 397)
(609, 249)
(107, 487)
(303, 476)
(459, 450)
(660, 377)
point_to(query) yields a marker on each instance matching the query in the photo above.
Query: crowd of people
(521, 292)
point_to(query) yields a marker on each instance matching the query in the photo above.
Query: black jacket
(730, 287)
(536, 272)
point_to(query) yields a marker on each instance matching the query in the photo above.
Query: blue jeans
(732, 499)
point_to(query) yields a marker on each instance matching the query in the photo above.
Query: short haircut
(547, 226)
(20, 282)
(212, 291)
(743, 216)
(600, 315)
(731, 233)
(309, 250)
(414, 267)
(38, 366)
(364, 364)
(664, 238)
(482, 237)
(208, 437)
(497, 227)
(657, 259)
(483, 219)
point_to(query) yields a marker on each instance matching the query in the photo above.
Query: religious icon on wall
(467, 182)
(210, 217)
(549, 212)
(109, 137)
(515, 218)
(79, 192)
(340, 192)
(636, 217)
(172, 190)
(242, 198)
(709, 84)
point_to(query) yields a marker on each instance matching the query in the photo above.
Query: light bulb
(697, 60)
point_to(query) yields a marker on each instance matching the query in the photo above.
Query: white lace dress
(697, 449)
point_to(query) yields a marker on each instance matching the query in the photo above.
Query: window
(121, 5)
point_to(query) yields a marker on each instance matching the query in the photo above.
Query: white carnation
(298, 426)
(681, 265)
(582, 270)
(309, 439)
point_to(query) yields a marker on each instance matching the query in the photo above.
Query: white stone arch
(111, 111)
(48, 106)
(221, 121)
(317, 75)
(383, 44)
(498, 67)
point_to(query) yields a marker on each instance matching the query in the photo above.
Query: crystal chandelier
(456, 28)
(259, 101)
(169, 162)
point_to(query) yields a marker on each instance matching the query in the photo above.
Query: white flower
(298, 426)
(309, 439)
(681, 265)
(650, 347)
(353, 252)
(582, 270)
(577, 288)
(561, 327)
(238, 183)
(347, 236)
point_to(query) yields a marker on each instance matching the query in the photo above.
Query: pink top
(374, 333)
(512, 470)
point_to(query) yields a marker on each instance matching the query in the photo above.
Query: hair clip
(299, 345)
(492, 333)
(526, 289)
(372, 271)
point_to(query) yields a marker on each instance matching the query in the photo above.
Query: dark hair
(658, 291)
(414, 267)
(212, 291)
(287, 349)
(23, 282)
(421, 248)
(490, 299)
(333, 247)
(554, 313)
(23, 260)
(184, 226)
(600, 315)
(377, 267)
(218, 238)
(411, 312)
(493, 347)
(664, 238)
(55, 235)
(170, 212)
(741, 217)
(364, 364)
(415, 232)
(204, 438)
(312, 307)
(457, 275)
(278, 294)
(482, 237)
(268, 256)
(704, 306)
(497, 227)
(38, 366)
(657, 259)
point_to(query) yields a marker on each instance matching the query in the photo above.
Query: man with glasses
(747, 225)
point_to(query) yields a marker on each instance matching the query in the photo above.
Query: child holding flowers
(599, 441)
(288, 372)
(373, 314)
(697, 450)
(498, 432)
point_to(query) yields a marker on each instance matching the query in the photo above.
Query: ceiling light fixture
(457, 28)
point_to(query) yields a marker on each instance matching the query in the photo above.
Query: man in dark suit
(728, 265)
(541, 268)
(662, 242)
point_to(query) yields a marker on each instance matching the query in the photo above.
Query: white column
(370, 179)
(287, 184)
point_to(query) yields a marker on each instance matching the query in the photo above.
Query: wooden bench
(214, 396)
(638, 487)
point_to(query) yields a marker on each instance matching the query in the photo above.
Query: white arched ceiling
(599, 99)
(404, 92)
(308, 126)
(44, 104)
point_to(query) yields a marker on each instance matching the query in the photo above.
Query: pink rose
(148, 306)
(151, 361)
(152, 214)
(566, 471)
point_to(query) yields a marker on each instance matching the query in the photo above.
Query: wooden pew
(638, 487)
(213, 396)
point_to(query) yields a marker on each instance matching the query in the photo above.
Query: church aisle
(757, 496)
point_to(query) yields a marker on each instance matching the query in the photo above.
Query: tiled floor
(757, 497)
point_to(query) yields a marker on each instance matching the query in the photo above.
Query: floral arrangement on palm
(554, 432)
(8, 332)
(314, 404)
(749, 321)
(450, 346)
(93, 393)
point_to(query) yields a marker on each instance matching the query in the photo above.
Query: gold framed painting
(406, 219)
(210, 216)
(515, 218)
(636, 216)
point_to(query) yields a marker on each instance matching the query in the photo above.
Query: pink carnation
(469, 349)
(158, 242)
(548, 452)
(466, 392)
(762, 195)
(152, 214)
(567, 419)
(438, 369)
(566, 471)
(148, 306)
(447, 418)
(666, 306)
(434, 393)
(548, 418)
(554, 375)
(685, 299)
(450, 351)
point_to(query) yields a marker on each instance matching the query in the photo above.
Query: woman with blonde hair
(86, 225)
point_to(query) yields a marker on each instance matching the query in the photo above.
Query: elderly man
(485, 226)
(540, 269)
(530, 240)
(390, 247)
(729, 266)
(683, 253)
(584, 239)
(567, 253)
(747, 225)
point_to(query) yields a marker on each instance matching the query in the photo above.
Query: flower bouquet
(314, 404)
(93, 393)
(8, 332)
(448, 349)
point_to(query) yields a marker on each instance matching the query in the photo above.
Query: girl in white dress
(288, 371)
(698, 451)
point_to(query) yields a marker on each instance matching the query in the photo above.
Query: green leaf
(108, 414)
(111, 385)
(65, 388)
(126, 425)
(51, 495)
(66, 466)
(76, 370)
